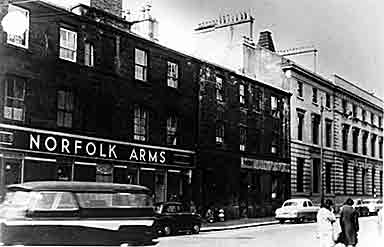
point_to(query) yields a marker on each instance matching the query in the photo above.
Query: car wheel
(195, 229)
(281, 221)
(167, 230)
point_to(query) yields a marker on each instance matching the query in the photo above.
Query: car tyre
(167, 230)
(196, 229)
(281, 221)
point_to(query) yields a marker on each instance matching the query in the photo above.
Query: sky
(349, 35)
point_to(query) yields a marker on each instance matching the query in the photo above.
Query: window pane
(19, 40)
(140, 57)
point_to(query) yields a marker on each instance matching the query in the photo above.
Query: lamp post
(321, 151)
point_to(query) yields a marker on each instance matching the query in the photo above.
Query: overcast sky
(348, 34)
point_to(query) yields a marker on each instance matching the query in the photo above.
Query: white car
(297, 210)
(373, 205)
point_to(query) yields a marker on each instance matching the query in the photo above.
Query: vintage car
(373, 205)
(172, 217)
(361, 208)
(296, 210)
(76, 213)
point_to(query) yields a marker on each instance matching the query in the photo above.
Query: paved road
(286, 235)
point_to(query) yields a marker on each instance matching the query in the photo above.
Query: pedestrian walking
(349, 222)
(325, 220)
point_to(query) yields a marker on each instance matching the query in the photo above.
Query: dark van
(76, 213)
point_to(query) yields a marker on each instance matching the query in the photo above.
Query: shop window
(12, 170)
(242, 94)
(14, 106)
(172, 130)
(316, 175)
(300, 175)
(41, 170)
(88, 54)
(328, 178)
(154, 180)
(65, 107)
(300, 124)
(140, 124)
(299, 89)
(68, 44)
(85, 173)
(123, 175)
(172, 74)
(23, 39)
(219, 89)
(141, 64)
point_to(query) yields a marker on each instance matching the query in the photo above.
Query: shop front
(264, 186)
(28, 154)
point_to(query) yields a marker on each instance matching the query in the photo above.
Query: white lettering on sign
(34, 141)
(50, 140)
(111, 151)
(64, 145)
(142, 154)
(101, 151)
(152, 158)
(133, 155)
(77, 146)
(91, 148)
(162, 157)
(90, 144)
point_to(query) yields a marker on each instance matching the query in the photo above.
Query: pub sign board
(82, 146)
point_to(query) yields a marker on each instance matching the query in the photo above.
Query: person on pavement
(325, 220)
(349, 222)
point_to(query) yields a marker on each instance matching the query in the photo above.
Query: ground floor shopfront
(340, 176)
(243, 186)
(28, 154)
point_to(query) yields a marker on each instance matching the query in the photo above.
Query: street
(287, 235)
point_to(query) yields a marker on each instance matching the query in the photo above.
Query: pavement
(238, 224)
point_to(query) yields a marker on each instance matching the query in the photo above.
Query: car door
(170, 216)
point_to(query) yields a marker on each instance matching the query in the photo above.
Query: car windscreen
(17, 199)
(114, 200)
(290, 204)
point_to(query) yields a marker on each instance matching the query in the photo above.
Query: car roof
(167, 203)
(297, 200)
(75, 186)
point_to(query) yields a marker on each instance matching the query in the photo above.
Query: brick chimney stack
(265, 40)
(114, 7)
